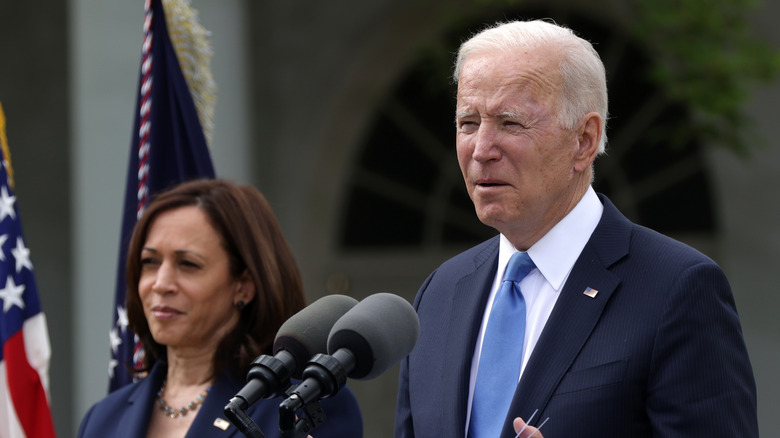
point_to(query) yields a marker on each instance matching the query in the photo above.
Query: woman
(210, 280)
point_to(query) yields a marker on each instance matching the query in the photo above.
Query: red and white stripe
(24, 397)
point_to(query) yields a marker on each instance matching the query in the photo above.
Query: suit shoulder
(616, 237)
(470, 258)
(117, 396)
(662, 247)
(102, 415)
(452, 270)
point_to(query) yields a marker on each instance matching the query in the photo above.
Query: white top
(554, 256)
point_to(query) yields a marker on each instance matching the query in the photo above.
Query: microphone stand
(323, 377)
(291, 426)
(266, 372)
(241, 420)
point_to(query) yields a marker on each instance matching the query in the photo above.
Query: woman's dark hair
(254, 243)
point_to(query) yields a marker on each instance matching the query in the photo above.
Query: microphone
(301, 336)
(364, 343)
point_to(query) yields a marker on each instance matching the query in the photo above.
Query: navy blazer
(125, 412)
(658, 352)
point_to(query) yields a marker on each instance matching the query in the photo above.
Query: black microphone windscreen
(380, 331)
(306, 333)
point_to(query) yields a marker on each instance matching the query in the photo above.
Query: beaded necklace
(175, 413)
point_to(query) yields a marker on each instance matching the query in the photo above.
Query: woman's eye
(189, 264)
(149, 261)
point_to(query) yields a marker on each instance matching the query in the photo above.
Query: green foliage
(707, 57)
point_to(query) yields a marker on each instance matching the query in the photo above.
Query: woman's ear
(246, 289)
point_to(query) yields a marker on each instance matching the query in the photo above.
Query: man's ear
(588, 137)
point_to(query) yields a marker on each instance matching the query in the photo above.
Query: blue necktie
(502, 353)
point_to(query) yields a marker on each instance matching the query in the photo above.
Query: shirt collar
(557, 251)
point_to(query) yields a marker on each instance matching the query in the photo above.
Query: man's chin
(490, 218)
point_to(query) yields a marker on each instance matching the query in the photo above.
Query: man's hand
(527, 431)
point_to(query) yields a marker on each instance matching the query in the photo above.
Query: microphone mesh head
(306, 333)
(380, 331)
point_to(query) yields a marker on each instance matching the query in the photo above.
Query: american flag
(172, 123)
(24, 359)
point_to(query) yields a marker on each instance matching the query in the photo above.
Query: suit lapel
(134, 421)
(466, 306)
(574, 316)
(210, 419)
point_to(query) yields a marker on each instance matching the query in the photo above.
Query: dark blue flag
(169, 146)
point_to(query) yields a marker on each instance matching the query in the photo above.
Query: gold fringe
(6, 151)
(193, 50)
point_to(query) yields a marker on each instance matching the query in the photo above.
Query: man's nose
(486, 144)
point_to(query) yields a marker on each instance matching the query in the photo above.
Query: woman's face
(185, 286)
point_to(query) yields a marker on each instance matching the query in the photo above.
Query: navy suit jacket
(125, 412)
(658, 352)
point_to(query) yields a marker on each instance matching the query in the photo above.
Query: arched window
(406, 189)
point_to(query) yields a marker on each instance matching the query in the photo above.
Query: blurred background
(342, 114)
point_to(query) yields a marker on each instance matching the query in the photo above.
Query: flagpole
(169, 144)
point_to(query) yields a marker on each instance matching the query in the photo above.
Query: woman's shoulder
(103, 414)
(129, 403)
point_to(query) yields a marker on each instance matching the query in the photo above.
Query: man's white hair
(583, 77)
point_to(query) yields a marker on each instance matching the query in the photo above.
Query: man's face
(516, 159)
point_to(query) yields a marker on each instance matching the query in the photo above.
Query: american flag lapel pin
(221, 423)
(589, 291)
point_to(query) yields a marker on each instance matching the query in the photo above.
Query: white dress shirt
(554, 256)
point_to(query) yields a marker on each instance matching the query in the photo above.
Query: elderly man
(573, 317)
